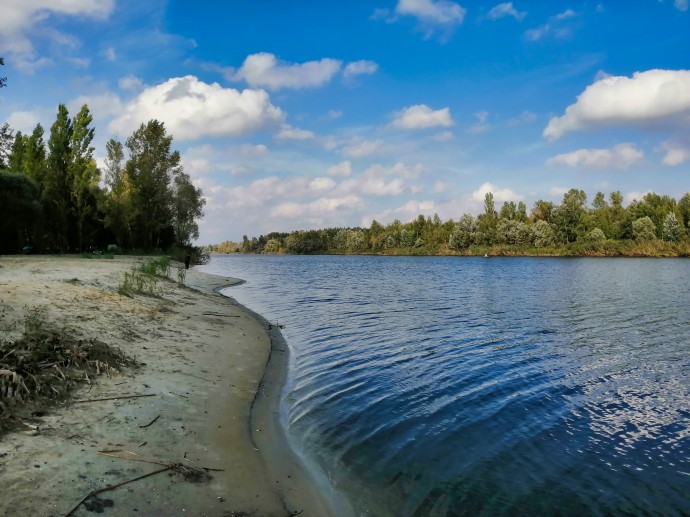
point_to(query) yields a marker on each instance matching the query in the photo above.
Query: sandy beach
(200, 407)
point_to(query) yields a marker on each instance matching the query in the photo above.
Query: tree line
(54, 198)
(654, 225)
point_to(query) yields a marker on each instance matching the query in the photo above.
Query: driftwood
(113, 398)
(151, 422)
(188, 472)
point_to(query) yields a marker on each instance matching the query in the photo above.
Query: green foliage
(181, 274)
(596, 235)
(644, 229)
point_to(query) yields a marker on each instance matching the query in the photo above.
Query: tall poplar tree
(56, 193)
(82, 171)
(116, 218)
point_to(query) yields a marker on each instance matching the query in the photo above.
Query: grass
(143, 279)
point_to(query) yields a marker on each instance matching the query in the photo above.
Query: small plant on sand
(181, 274)
(144, 278)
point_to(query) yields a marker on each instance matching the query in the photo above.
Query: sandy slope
(203, 363)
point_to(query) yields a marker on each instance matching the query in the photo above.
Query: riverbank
(200, 407)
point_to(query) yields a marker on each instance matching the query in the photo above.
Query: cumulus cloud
(421, 116)
(621, 156)
(130, 82)
(343, 169)
(681, 5)
(359, 148)
(192, 109)
(288, 132)
(315, 209)
(24, 121)
(646, 98)
(439, 12)
(102, 106)
(19, 18)
(505, 9)
(362, 67)
(553, 27)
(410, 210)
(266, 71)
(675, 153)
(500, 194)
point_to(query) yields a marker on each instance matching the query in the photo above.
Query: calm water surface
(502, 386)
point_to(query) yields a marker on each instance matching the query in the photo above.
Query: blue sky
(297, 115)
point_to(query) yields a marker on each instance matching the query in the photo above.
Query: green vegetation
(51, 196)
(656, 225)
(143, 279)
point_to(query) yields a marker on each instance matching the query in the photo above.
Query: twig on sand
(112, 487)
(114, 398)
(151, 422)
(192, 375)
(177, 467)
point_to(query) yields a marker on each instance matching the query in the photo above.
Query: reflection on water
(459, 386)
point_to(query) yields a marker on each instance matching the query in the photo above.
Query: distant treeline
(656, 225)
(54, 198)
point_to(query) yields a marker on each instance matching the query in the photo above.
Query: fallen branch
(114, 398)
(151, 422)
(113, 487)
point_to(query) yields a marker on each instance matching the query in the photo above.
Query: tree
(150, 171)
(543, 234)
(56, 196)
(82, 171)
(542, 211)
(672, 230)
(3, 80)
(566, 217)
(596, 235)
(19, 210)
(463, 232)
(15, 159)
(6, 140)
(643, 229)
(188, 203)
(486, 225)
(34, 156)
(116, 218)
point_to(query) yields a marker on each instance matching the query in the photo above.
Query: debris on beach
(44, 363)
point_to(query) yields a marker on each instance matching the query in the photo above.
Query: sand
(213, 402)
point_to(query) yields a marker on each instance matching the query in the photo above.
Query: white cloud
(24, 121)
(621, 156)
(553, 26)
(558, 191)
(288, 132)
(343, 169)
(359, 148)
(439, 12)
(526, 117)
(632, 196)
(317, 209)
(675, 153)
(253, 151)
(192, 109)
(654, 96)
(131, 83)
(264, 70)
(410, 210)
(480, 126)
(443, 136)
(101, 107)
(362, 67)
(334, 114)
(421, 116)
(681, 5)
(500, 194)
(110, 54)
(19, 18)
(505, 9)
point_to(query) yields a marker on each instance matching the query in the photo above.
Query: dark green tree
(188, 204)
(150, 170)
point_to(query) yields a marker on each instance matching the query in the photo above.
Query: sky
(300, 115)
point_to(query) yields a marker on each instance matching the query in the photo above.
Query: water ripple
(443, 386)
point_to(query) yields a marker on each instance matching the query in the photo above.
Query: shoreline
(204, 363)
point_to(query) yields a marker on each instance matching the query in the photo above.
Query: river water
(499, 386)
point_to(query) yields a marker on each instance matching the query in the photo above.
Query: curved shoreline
(211, 389)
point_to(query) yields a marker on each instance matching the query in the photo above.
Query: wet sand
(211, 408)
